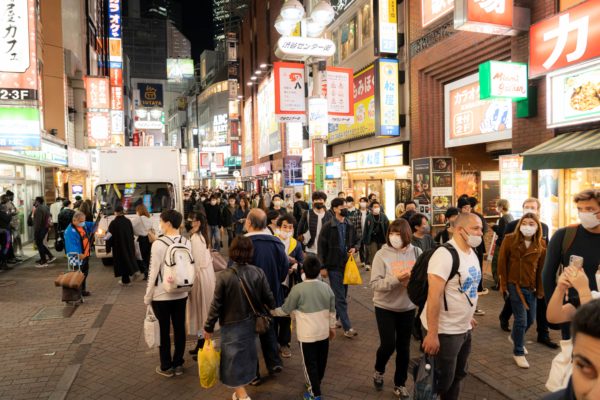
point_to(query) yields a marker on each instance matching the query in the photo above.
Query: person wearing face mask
(502, 208)
(520, 264)
(449, 328)
(122, 246)
(214, 219)
(375, 233)
(300, 206)
(421, 237)
(581, 240)
(227, 217)
(354, 216)
(272, 217)
(312, 221)
(337, 242)
(277, 205)
(394, 311)
(293, 249)
(77, 240)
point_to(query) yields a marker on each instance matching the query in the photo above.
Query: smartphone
(576, 261)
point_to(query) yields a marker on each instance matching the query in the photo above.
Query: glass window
(336, 55)
(348, 39)
(578, 180)
(367, 24)
(156, 196)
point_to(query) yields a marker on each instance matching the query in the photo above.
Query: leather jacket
(230, 304)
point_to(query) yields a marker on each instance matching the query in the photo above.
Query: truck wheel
(107, 261)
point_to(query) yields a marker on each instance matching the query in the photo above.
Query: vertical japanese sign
(515, 183)
(290, 103)
(432, 10)
(565, 39)
(386, 28)
(98, 106)
(386, 98)
(114, 31)
(116, 67)
(340, 98)
(247, 134)
(269, 141)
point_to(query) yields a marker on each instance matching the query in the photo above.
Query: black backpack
(418, 285)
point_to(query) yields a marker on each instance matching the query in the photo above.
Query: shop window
(334, 39)
(348, 39)
(366, 24)
(156, 196)
(578, 180)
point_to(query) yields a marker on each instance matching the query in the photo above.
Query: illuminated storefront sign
(386, 33)
(269, 140)
(78, 159)
(333, 168)
(98, 127)
(293, 47)
(151, 94)
(340, 99)
(114, 31)
(248, 127)
(19, 128)
(179, 69)
(375, 158)
(290, 103)
(506, 80)
(148, 119)
(386, 98)
(432, 10)
(491, 17)
(294, 141)
(98, 115)
(565, 39)
(470, 120)
(97, 93)
(317, 118)
(219, 128)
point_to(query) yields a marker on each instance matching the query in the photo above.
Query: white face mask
(529, 211)
(376, 211)
(213, 202)
(528, 230)
(396, 241)
(277, 203)
(363, 205)
(285, 235)
(589, 220)
(473, 240)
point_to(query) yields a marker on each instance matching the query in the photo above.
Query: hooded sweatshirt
(389, 293)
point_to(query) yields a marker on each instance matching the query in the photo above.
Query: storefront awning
(571, 150)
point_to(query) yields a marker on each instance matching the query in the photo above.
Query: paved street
(99, 351)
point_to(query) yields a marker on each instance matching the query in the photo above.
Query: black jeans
(283, 329)
(314, 358)
(39, 237)
(85, 268)
(394, 335)
(145, 249)
(540, 317)
(268, 343)
(451, 364)
(167, 312)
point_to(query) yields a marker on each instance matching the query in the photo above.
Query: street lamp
(292, 11)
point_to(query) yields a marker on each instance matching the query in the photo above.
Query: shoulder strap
(244, 290)
(162, 262)
(569, 238)
(453, 272)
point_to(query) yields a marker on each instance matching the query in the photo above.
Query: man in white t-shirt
(449, 330)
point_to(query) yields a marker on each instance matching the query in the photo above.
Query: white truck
(130, 176)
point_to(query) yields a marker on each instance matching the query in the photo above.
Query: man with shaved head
(451, 302)
(270, 256)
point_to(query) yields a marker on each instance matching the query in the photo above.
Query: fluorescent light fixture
(258, 72)
(292, 10)
(323, 13)
(253, 78)
(284, 27)
(250, 83)
(313, 28)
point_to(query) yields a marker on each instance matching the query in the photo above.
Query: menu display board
(442, 190)
(490, 193)
(421, 168)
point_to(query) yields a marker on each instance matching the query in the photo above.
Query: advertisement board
(432, 10)
(421, 170)
(573, 95)
(19, 128)
(179, 69)
(515, 183)
(386, 98)
(292, 171)
(565, 39)
(317, 118)
(268, 127)
(364, 109)
(490, 17)
(375, 158)
(503, 80)
(148, 119)
(17, 49)
(151, 94)
(97, 93)
(386, 33)
(340, 97)
(290, 103)
(442, 188)
(78, 159)
(469, 120)
(98, 124)
(294, 139)
(333, 168)
(248, 127)
(490, 193)
(114, 31)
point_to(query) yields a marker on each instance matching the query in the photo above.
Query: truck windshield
(156, 196)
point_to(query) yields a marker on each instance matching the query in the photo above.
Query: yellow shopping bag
(208, 365)
(351, 274)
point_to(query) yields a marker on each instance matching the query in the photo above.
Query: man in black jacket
(41, 224)
(122, 246)
(300, 206)
(337, 241)
(213, 217)
(312, 223)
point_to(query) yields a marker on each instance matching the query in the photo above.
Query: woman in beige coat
(202, 293)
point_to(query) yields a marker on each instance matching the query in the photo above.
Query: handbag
(263, 322)
(218, 261)
(70, 280)
(561, 367)
(151, 329)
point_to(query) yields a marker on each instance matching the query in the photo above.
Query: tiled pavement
(99, 352)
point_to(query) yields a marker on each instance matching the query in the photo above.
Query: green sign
(503, 80)
(319, 176)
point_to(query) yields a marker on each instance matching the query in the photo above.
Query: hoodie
(269, 255)
(389, 293)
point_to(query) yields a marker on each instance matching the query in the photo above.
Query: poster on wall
(548, 194)
(515, 183)
(490, 193)
(421, 169)
(268, 127)
(442, 188)
(467, 182)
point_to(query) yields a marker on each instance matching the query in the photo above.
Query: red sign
(97, 93)
(498, 12)
(565, 39)
(116, 98)
(219, 159)
(290, 102)
(205, 160)
(235, 148)
(116, 77)
(432, 10)
(340, 97)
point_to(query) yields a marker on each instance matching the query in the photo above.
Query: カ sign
(565, 39)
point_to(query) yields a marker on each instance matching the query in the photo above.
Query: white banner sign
(317, 118)
(14, 36)
(290, 103)
(340, 95)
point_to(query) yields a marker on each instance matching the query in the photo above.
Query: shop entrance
(364, 188)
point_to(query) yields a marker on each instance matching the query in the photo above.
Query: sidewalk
(99, 352)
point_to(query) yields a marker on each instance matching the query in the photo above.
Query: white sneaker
(350, 333)
(51, 260)
(479, 313)
(367, 267)
(513, 343)
(483, 292)
(521, 361)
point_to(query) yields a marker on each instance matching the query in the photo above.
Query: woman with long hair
(520, 264)
(240, 214)
(203, 290)
(86, 208)
(394, 311)
(141, 226)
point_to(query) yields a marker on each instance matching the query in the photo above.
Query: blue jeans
(215, 236)
(523, 317)
(336, 280)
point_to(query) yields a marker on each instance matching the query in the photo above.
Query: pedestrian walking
(15, 225)
(312, 221)
(232, 309)
(5, 234)
(300, 206)
(169, 308)
(86, 208)
(42, 221)
(142, 224)
(449, 322)
(240, 214)
(78, 240)
(313, 305)
(201, 296)
(227, 217)
(444, 236)
(394, 311)
(503, 209)
(120, 243)
(421, 229)
(337, 243)
(213, 216)
(375, 232)
(277, 205)
(520, 264)
(54, 211)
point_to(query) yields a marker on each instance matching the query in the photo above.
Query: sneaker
(350, 333)
(277, 369)
(41, 265)
(255, 382)
(51, 260)
(167, 374)
(483, 292)
(513, 343)
(479, 313)
(179, 370)
(124, 284)
(378, 380)
(401, 392)
(521, 361)
(308, 396)
(285, 351)
(367, 267)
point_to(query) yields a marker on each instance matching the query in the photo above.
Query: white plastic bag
(561, 368)
(151, 329)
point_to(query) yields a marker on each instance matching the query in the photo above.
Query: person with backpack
(121, 244)
(453, 274)
(581, 240)
(394, 311)
(520, 265)
(77, 238)
(375, 233)
(163, 293)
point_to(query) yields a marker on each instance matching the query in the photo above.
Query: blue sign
(114, 19)
(387, 98)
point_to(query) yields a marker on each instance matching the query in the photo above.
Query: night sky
(197, 25)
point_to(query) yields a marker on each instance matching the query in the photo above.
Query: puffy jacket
(229, 304)
(309, 222)
(330, 249)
